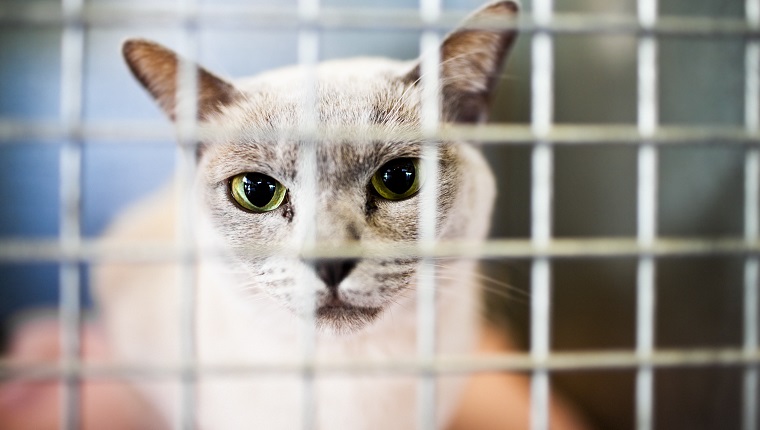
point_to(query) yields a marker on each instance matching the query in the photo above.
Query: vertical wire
(647, 213)
(540, 314)
(430, 11)
(542, 159)
(187, 128)
(751, 217)
(752, 188)
(426, 291)
(308, 56)
(72, 81)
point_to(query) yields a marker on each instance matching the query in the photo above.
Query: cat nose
(333, 272)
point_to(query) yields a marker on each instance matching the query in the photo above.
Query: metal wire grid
(543, 25)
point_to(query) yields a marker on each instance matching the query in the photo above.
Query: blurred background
(701, 82)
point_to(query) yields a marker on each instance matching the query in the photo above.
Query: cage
(623, 138)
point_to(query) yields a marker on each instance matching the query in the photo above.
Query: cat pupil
(259, 189)
(399, 175)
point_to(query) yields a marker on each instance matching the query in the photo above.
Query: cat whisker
(492, 281)
(498, 292)
(488, 284)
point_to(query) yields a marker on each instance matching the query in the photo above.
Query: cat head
(356, 180)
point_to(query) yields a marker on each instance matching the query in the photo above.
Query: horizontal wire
(513, 362)
(98, 251)
(280, 19)
(149, 132)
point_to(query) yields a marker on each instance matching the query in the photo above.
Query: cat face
(336, 202)
(357, 181)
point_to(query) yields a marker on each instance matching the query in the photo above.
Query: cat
(255, 190)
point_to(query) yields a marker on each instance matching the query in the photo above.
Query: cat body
(250, 305)
(146, 331)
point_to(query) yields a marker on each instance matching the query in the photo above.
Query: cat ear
(156, 68)
(471, 62)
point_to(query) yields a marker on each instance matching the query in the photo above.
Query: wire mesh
(542, 135)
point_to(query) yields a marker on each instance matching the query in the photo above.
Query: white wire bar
(187, 128)
(245, 16)
(450, 365)
(542, 101)
(147, 132)
(429, 11)
(751, 219)
(752, 172)
(308, 57)
(540, 323)
(72, 81)
(95, 251)
(647, 213)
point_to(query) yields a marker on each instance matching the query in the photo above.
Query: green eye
(398, 179)
(257, 192)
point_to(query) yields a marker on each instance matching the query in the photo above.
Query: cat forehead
(351, 71)
(353, 99)
(356, 92)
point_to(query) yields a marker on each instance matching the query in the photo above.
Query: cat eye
(257, 192)
(398, 179)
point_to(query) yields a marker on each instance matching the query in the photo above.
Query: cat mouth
(343, 317)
